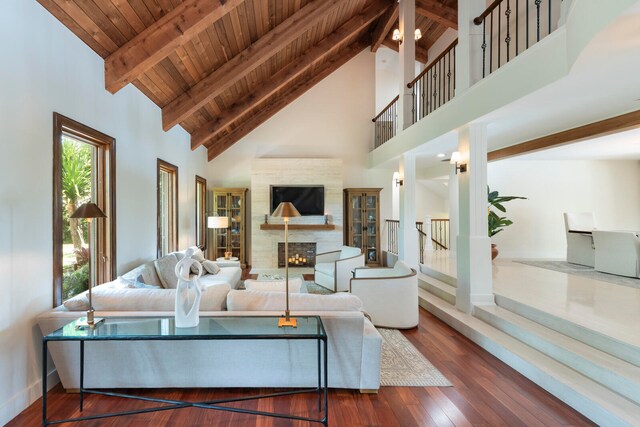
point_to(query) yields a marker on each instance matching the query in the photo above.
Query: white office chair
(580, 248)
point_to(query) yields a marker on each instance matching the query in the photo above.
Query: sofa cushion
(145, 273)
(327, 268)
(79, 302)
(198, 255)
(401, 269)
(348, 252)
(228, 275)
(275, 301)
(127, 299)
(211, 267)
(295, 285)
(166, 267)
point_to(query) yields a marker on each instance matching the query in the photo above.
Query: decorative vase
(188, 293)
(227, 255)
(494, 251)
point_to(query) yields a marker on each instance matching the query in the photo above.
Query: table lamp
(89, 211)
(220, 222)
(286, 210)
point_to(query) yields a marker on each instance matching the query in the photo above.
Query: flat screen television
(308, 199)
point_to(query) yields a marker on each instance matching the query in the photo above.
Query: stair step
(593, 400)
(450, 280)
(437, 288)
(622, 350)
(616, 374)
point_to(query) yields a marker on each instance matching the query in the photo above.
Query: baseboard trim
(24, 398)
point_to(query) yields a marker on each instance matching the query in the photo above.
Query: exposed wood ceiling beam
(311, 57)
(422, 54)
(245, 62)
(293, 92)
(161, 38)
(384, 27)
(592, 130)
(436, 11)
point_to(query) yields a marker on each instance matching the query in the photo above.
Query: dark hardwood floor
(485, 392)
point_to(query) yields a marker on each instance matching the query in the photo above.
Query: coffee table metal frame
(321, 389)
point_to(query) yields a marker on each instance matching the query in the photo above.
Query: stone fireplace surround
(293, 171)
(298, 251)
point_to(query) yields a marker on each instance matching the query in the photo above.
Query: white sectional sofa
(354, 351)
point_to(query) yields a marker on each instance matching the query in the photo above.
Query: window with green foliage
(167, 208)
(83, 172)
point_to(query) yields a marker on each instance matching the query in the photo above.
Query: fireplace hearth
(300, 254)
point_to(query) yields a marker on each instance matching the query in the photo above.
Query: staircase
(595, 374)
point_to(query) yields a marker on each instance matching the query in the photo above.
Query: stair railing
(509, 27)
(386, 123)
(436, 84)
(392, 235)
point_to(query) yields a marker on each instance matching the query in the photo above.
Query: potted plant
(497, 222)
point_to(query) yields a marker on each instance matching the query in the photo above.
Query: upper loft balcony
(526, 68)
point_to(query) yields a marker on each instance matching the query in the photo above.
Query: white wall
(45, 68)
(331, 120)
(429, 202)
(610, 189)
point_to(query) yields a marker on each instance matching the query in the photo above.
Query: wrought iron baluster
(484, 46)
(449, 76)
(517, 32)
(499, 33)
(507, 39)
(549, 16)
(537, 2)
(491, 44)
(527, 22)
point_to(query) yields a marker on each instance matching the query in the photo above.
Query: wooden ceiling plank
(385, 24)
(245, 62)
(74, 26)
(115, 16)
(81, 18)
(124, 7)
(161, 38)
(328, 46)
(422, 54)
(286, 98)
(436, 11)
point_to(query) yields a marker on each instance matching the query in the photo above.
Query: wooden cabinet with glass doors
(362, 222)
(229, 203)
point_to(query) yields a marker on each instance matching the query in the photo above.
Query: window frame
(106, 193)
(164, 166)
(201, 215)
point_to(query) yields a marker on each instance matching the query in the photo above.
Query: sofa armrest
(228, 263)
(344, 268)
(364, 272)
(327, 257)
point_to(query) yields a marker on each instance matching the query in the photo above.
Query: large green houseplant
(497, 223)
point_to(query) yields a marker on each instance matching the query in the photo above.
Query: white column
(407, 15)
(474, 246)
(408, 234)
(469, 50)
(427, 230)
(453, 212)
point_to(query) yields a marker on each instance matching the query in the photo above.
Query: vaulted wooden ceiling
(220, 68)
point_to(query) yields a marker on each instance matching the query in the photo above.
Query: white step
(616, 374)
(437, 288)
(450, 280)
(622, 350)
(596, 402)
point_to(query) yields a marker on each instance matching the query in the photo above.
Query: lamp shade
(285, 210)
(217, 222)
(456, 157)
(88, 210)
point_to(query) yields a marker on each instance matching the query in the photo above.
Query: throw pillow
(79, 302)
(165, 267)
(211, 267)
(194, 267)
(198, 255)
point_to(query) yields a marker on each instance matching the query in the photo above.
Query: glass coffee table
(255, 328)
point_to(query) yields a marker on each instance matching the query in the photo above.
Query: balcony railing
(386, 123)
(509, 27)
(435, 85)
(439, 236)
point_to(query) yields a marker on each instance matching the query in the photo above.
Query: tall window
(83, 171)
(167, 208)
(201, 216)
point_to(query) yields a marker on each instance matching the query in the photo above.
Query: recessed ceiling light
(441, 155)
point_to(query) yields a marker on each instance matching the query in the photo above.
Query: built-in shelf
(298, 227)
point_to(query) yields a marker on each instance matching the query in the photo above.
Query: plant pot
(494, 251)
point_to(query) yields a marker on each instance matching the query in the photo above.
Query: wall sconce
(456, 159)
(397, 37)
(399, 182)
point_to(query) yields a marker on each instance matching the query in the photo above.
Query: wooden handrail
(385, 109)
(439, 244)
(434, 62)
(393, 220)
(478, 20)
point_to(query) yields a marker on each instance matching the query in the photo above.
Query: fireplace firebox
(300, 254)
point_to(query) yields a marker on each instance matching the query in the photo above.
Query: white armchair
(389, 295)
(617, 252)
(580, 247)
(333, 269)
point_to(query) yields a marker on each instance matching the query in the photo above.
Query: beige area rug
(404, 366)
(307, 286)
